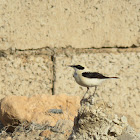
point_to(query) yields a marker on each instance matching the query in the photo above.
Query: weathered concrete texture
(22, 74)
(96, 121)
(123, 94)
(81, 24)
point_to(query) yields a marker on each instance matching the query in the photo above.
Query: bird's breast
(78, 79)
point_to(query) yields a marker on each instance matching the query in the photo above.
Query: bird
(87, 78)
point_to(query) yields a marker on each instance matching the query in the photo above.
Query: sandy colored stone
(124, 119)
(63, 126)
(61, 130)
(81, 24)
(46, 133)
(39, 109)
(8, 138)
(125, 136)
(96, 122)
(25, 74)
(116, 130)
(42, 138)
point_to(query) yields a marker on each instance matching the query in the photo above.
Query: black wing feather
(94, 75)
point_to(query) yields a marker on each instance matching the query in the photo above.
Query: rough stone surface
(61, 131)
(46, 133)
(96, 122)
(33, 131)
(122, 94)
(81, 24)
(25, 73)
(15, 109)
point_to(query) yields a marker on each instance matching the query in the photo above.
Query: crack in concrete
(68, 50)
(47, 47)
(54, 74)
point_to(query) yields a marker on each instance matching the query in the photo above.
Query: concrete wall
(27, 24)
(110, 30)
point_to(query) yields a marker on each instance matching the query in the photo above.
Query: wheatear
(84, 77)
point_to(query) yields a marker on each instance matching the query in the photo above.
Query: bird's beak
(71, 66)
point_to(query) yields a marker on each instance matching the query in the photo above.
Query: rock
(39, 109)
(46, 133)
(124, 119)
(98, 122)
(8, 138)
(116, 130)
(63, 126)
(42, 138)
(125, 136)
(115, 120)
(61, 130)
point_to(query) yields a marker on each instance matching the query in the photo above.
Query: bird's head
(77, 67)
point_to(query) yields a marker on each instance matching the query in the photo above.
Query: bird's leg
(83, 99)
(86, 92)
(91, 97)
(87, 89)
(95, 90)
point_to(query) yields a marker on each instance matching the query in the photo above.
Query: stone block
(81, 24)
(22, 74)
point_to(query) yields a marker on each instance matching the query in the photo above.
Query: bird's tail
(114, 77)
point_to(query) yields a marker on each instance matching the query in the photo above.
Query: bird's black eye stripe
(79, 67)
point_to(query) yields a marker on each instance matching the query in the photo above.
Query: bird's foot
(83, 101)
(89, 100)
(95, 94)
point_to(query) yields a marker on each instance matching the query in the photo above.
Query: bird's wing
(93, 75)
